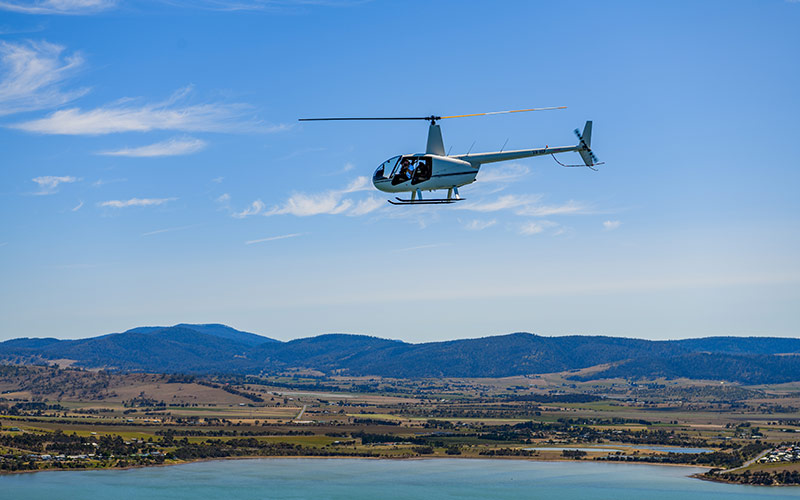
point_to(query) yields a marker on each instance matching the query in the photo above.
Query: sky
(153, 171)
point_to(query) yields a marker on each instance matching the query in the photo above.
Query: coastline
(348, 457)
(719, 479)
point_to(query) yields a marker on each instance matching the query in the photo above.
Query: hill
(215, 348)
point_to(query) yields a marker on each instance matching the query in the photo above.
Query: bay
(356, 479)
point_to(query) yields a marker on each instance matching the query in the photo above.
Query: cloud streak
(529, 206)
(569, 208)
(331, 202)
(172, 114)
(270, 5)
(172, 147)
(505, 202)
(32, 75)
(536, 227)
(610, 225)
(61, 7)
(135, 202)
(168, 230)
(48, 184)
(503, 173)
(480, 225)
(255, 208)
(273, 238)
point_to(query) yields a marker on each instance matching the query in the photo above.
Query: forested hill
(220, 349)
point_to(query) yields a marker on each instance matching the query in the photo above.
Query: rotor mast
(435, 143)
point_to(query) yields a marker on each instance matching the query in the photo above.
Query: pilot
(405, 168)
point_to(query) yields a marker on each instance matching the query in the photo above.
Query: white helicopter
(436, 170)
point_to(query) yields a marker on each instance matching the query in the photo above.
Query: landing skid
(435, 201)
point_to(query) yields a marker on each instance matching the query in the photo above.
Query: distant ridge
(217, 348)
(213, 329)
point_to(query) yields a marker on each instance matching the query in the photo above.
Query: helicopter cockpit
(401, 169)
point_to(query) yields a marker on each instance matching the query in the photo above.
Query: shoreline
(344, 457)
(700, 475)
(718, 479)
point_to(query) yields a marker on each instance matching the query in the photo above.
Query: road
(750, 462)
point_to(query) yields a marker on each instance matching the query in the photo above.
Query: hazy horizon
(288, 339)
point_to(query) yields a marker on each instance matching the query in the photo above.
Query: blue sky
(153, 170)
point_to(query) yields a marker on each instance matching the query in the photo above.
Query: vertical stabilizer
(584, 147)
(586, 136)
(435, 142)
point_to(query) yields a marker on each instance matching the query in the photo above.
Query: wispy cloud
(480, 225)
(610, 225)
(255, 208)
(102, 182)
(365, 206)
(171, 147)
(135, 202)
(529, 206)
(505, 202)
(168, 230)
(570, 207)
(77, 207)
(502, 173)
(48, 184)
(273, 238)
(32, 75)
(4, 243)
(270, 5)
(304, 205)
(172, 114)
(536, 227)
(331, 202)
(358, 184)
(63, 7)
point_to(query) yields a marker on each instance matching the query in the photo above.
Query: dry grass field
(162, 418)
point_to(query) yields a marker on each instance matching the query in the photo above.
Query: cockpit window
(386, 169)
(412, 168)
(422, 170)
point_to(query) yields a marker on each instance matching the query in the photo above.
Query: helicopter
(435, 170)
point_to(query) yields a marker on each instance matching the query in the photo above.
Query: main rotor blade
(375, 118)
(503, 112)
(432, 118)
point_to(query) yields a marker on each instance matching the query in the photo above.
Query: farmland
(62, 418)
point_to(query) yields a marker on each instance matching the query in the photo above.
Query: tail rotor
(585, 138)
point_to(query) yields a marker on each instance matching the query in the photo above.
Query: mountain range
(214, 348)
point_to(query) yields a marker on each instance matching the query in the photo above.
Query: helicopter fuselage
(423, 172)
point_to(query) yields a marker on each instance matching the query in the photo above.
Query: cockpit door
(423, 170)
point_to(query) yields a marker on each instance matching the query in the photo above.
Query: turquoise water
(628, 449)
(553, 448)
(321, 479)
(672, 449)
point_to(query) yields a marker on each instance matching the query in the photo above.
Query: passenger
(405, 171)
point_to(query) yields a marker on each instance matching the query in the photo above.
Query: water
(551, 448)
(671, 449)
(352, 479)
(629, 449)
